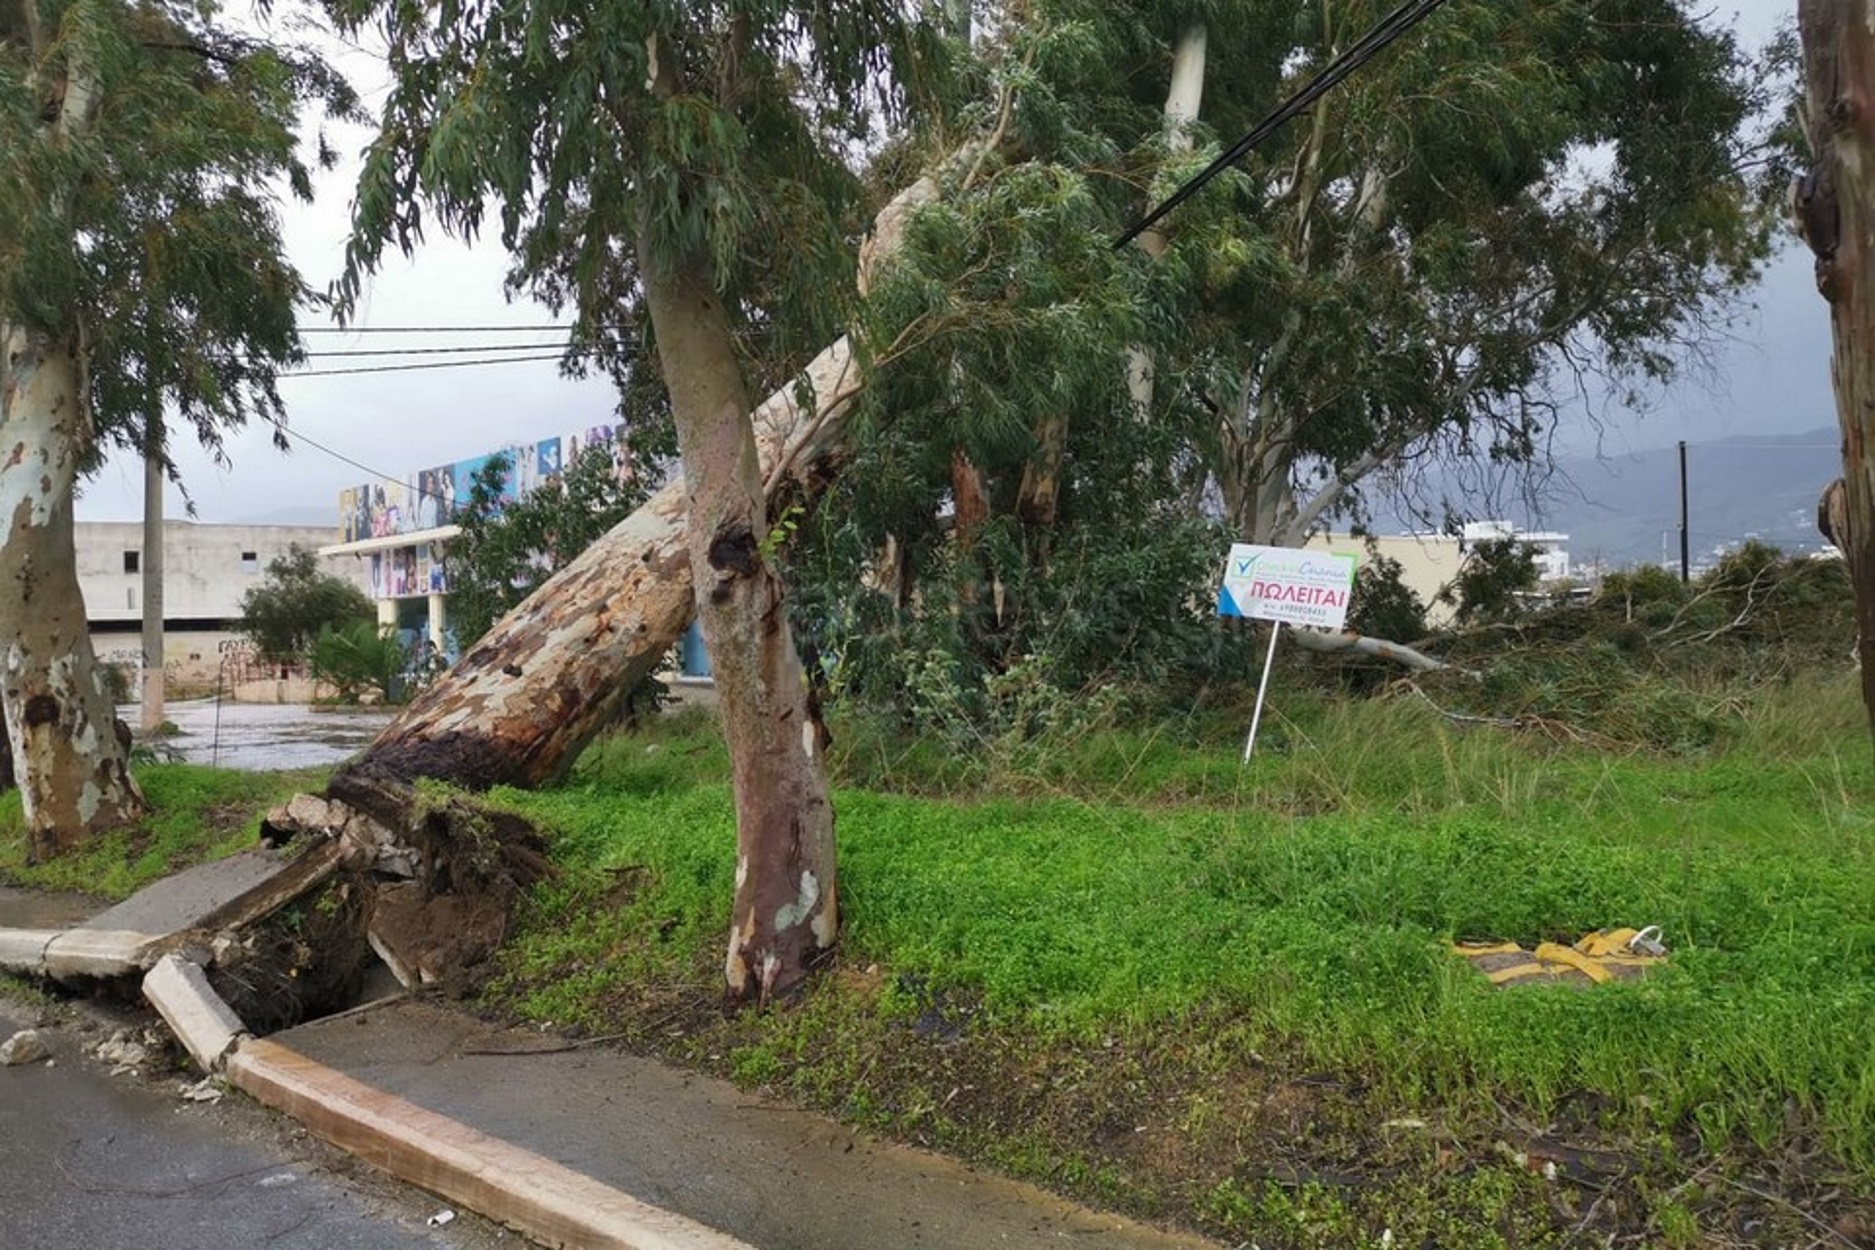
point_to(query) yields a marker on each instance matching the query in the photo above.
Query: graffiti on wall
(432, 496)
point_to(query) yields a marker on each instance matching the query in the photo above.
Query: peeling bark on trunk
(1836, 215)
(74, 773)
(786, 916)
(528, 697)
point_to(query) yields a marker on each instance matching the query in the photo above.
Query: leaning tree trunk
(528, 697)
(1836, 214)
(786, 914)
(73, 771)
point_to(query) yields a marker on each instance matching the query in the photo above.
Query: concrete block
(98, 953)
(24, 950)
(181, 994)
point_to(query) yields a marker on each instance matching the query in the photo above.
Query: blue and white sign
(1288, 585)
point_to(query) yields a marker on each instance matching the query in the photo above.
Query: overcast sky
(1770, 376)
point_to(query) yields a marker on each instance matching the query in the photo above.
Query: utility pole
(152, 566)
(1686, 570)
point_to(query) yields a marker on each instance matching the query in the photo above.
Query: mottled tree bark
(528, 697)
(786, 915)
(1836, 214)
(73, 773)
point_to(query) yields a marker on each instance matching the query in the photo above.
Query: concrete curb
(541, 1199)
(529, 1193)
(99, 953)
(205, 1025)
(24, 950)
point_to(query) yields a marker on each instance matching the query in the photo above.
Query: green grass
(1307, 901)
(1142, 934)
(197, 814)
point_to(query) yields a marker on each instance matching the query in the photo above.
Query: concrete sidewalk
(579, 1145)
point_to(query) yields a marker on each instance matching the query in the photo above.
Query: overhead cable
(1391, 27)
(435, 329)
(430, 364)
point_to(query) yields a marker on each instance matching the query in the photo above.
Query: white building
(206, 571)
(1431, 562)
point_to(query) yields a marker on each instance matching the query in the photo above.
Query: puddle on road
(268, 737)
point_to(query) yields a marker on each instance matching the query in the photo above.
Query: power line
(432, 364)
(295, 435)
(434, 329)
(1390, 27)
(459, 351)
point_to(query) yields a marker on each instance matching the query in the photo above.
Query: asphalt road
(92, 1161)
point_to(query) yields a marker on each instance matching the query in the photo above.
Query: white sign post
(1283, 584)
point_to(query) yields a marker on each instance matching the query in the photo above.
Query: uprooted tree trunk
(1836, 215)
(521, 705)
(518, 708)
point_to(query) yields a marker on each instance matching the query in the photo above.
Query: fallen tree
(521, 705)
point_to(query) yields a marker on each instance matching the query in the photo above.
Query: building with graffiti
(399, 531)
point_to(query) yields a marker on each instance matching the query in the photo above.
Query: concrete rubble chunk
(207, 1028)
(98, 953)
(25, 1046)
(121, 1051)
(308, 813)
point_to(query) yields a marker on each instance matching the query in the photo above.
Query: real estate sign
(1287, 585)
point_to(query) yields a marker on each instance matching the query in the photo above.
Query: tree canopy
(1510, 206)
(152, 237)
(295, 601)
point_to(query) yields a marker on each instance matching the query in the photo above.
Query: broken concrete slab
(99, 953)
(201, 1021)
(222, 892)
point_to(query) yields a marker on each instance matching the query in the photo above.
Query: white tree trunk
(1183, 100)
(73, 772)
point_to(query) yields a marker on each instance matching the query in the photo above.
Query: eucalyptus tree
(1835, 202)
(140, 267)
(696, 153)
(1424, 265)
(1420, 268)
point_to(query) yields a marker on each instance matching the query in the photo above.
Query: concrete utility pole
(1835, 207)
(153, 575)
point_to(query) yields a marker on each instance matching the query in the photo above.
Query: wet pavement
(266, 737)
(98, 1160)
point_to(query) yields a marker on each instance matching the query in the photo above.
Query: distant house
(1431, 562)
(206, 571)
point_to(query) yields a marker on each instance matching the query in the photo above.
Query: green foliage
(143, 231)
(1383, 605)
(507, 549)
(711, 130)
(359, 658)
(296, 601)
(1495, 573)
